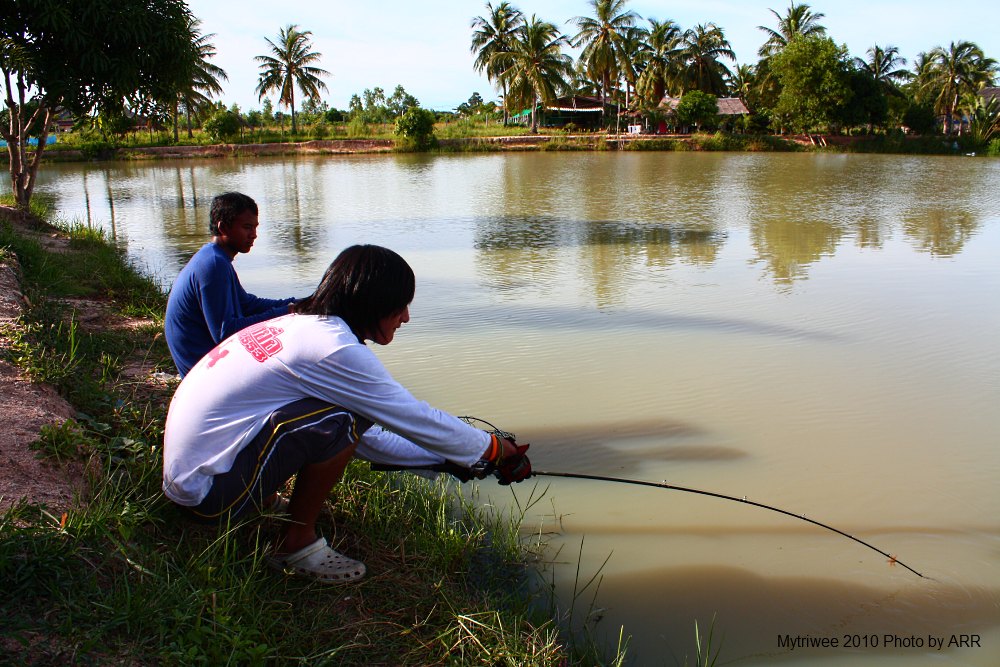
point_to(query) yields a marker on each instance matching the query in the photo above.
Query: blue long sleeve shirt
(207, 304)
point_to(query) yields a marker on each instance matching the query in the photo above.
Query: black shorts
(306, 431)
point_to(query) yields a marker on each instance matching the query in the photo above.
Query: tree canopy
(291, 64)
(815, 84)
(48, 55)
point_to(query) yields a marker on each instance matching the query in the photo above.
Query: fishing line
(673, 487)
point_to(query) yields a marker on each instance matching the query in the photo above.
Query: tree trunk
(505, 119)
(24, 166)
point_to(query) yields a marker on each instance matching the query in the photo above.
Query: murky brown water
(814, 332)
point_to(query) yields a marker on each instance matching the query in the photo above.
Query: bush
(416, 129)
(993, 150)
(223, 126)
(920, 118)
(321, 130)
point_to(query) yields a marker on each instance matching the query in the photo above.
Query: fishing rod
(673, 487)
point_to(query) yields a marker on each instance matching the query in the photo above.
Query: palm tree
(883, 65)
(742, 82)
(702, 47)
(537, 68)
(492, 41)
(197, 95)
(289, 65)
(662, 63)
(950, 73)
(603, 39)
(800, 21)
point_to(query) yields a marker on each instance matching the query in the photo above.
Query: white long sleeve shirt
(225, 400)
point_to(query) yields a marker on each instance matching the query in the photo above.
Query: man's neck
(225, 247)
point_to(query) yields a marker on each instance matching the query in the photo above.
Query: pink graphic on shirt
(215, 355)
(261, 341)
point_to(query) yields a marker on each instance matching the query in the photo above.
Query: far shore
(362, 146)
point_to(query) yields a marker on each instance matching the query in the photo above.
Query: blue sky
(424, 46)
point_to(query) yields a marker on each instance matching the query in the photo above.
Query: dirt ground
(26, 406)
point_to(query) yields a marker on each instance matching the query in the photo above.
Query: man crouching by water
(299, 395)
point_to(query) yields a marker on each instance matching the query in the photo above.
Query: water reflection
(618, 211)
(751, 611)
(942, 233)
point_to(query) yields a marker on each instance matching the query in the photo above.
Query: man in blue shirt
(207, 304)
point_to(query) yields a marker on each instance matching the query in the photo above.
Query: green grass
(126, 578)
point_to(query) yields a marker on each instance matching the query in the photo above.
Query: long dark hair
(363, 285)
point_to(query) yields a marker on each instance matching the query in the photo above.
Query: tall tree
(702, 48)
(197, 94)
(814, 75)
(885, 66)
(603, 37)
(953, 72)
(662, 66)
(493, 38)
(47, 49)
(538, 68)
(291, 64)
(799, 21)
(742, 82)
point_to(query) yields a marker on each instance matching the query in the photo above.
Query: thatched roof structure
(728, 106)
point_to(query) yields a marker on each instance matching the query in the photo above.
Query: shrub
(415, 128)
(223, 126)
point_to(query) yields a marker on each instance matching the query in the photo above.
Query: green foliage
(993, 150)
(984, 121)
(698, 109)
(574, 144)
(704, 657)
(416, 129)
(223, 125)
(920, 118)
(290, 65)
(65, 441)
(867, 103)
(815, 84)
(146, 55)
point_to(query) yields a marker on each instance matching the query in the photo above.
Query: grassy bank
(125, 578)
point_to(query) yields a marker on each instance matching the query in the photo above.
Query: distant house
(584, 112)
(728, 106)
(62, 120)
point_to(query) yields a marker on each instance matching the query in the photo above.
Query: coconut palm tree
(742, 82)
(662, 66)
(884, 66)
(603, 37)
(632, 58)
(493, 39)
(702, 47)
(951, 73)
(800, 21)
(196, 96)
(538, 69)
(289, 65)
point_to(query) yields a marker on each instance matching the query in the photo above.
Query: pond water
(814, 332)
